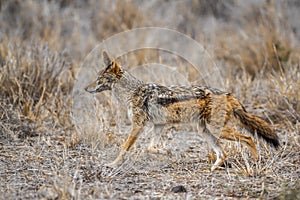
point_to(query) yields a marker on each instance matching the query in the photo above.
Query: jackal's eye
(109, 76)
(105, 79)
(98, 81)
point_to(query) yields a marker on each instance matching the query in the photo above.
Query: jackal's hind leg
(135, 131)
(221, 156)
(215, 146)
(232, 134)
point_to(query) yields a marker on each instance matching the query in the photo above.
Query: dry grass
(35, 81)
(265, 42)
(42, 156)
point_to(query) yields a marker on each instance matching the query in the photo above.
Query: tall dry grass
(264, 42)
(36, 84)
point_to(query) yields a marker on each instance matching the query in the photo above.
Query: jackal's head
(106, 78)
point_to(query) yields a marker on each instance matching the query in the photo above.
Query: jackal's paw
(158, 151)
(214, 167)
(110, 165)
(114, 164)
(219, 162)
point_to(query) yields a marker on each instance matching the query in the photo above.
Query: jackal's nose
(90, 89)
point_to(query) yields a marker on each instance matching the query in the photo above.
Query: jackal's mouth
(97, 89)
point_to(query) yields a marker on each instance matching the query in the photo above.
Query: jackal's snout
(92, 88)
(96, 87)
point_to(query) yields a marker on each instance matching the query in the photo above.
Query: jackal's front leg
(134, 133)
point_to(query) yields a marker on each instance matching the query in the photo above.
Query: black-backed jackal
(215, 112)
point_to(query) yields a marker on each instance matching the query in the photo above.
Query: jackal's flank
(215, 112)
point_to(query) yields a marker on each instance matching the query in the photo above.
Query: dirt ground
(47, 167)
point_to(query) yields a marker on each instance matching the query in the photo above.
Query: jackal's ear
(110, 63)
(107, 58)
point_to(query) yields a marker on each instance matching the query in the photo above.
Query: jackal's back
(172, 104)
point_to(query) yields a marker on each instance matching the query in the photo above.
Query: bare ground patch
(47, 166)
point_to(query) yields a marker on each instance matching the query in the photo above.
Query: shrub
(35, 81)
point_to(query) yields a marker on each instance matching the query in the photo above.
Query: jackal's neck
(128, 82)
(126, 85)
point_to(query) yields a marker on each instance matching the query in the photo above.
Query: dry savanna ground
(43, 155)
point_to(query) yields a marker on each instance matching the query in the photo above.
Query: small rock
(178, 189)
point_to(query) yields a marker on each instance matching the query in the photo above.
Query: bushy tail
(255, 124)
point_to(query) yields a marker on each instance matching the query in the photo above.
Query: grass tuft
(35, 83)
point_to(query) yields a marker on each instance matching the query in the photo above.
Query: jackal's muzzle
(93, 88)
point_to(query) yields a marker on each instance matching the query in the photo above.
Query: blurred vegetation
(43, 42)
